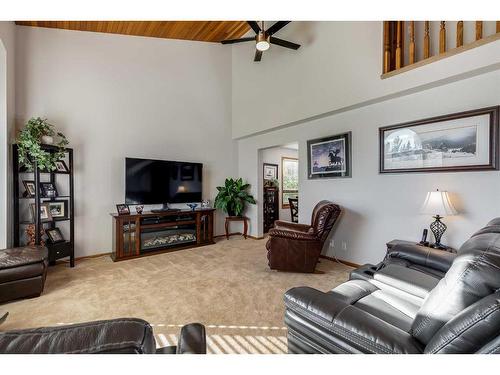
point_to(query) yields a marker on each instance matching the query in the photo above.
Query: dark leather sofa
(123, 336)
(22, 272)
(297, 247)
(418, 300)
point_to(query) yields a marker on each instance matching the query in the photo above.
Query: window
(289, 180)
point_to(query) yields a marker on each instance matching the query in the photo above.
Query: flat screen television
(150, 181)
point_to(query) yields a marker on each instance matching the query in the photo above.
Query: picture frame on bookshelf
(54, 235)
(45, 215)
(58, 209)
(48, 190)
(61, 167)
(123, 209)
(30, 187)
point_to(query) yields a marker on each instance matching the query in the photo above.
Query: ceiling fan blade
(258, 55)
(284, 43)
(240, 40)
(255, 26)
(277, 27)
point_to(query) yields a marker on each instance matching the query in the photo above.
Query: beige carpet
(227, 286)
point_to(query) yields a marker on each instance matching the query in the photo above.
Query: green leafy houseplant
(30, 146)
(233, 196)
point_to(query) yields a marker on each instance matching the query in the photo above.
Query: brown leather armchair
(296, 247)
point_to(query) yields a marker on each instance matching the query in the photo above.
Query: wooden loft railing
(410, 44)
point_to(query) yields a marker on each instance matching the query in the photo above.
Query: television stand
(137, 235)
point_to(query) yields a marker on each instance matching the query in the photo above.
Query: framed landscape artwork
(457, 142)
(329, 157)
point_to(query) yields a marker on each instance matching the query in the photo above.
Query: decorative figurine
(192, 206)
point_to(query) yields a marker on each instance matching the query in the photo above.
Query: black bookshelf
(64, 183)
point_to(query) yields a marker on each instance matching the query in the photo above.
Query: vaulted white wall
(337, 68)
(117, 96)
(7, 115)
(379, 208)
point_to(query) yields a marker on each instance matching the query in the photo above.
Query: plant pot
(47, 139)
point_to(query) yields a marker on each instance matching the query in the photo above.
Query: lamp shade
(438, 203)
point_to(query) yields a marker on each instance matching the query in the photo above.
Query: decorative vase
(47, 139)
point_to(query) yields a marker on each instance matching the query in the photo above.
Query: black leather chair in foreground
(125, 336)
(416, 301)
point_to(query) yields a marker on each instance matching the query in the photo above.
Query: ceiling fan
(264, 38)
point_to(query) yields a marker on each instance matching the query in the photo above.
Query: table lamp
(438, 203)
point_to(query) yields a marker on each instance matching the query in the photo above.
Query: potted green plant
(29, 143)
(233, 197)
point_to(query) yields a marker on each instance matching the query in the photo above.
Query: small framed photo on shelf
(58, 209)
(61, 167)
(45, 215)
(30, 188)
(54, 235)
(123, 209)
(48, 190)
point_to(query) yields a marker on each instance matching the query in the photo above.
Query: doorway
(279, 166)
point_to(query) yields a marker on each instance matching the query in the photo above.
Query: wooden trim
(93, 256)
(344, 262)
(411, 57)
(239, 234)
(479, 30)
(386, 65)
(442, 37)
(460, 34)
(399, 44)
(427, 40)
(449, 53)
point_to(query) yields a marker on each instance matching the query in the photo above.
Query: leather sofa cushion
(406, 279)
(328, 324)
(22, 256)
(394, 309)
(22, 272)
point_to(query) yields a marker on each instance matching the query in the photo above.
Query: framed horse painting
(329, 157)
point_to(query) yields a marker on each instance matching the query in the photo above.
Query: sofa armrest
(351, 329)
(291, 235)
(106, 336)
(279, 224)
(421, 255)
(473, 330)
(192, 339)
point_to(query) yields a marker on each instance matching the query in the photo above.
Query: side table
(244, 219)
(393, 243)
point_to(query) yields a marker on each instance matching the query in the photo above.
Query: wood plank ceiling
(206, 31)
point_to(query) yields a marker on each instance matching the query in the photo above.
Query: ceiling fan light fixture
(262, 42)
